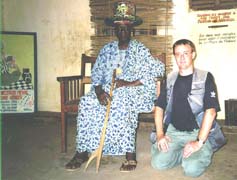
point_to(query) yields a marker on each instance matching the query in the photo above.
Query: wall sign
(18, 87)
(217, 38)
(220, 27)
(227, 16)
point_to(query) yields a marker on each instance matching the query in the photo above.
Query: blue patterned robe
(127, 102)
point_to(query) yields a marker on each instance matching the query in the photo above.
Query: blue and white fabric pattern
(136, 63)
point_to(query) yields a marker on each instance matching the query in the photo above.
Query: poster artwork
(17, 63)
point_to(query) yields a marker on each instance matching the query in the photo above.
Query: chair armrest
(68, 78)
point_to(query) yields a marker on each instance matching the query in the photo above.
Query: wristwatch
(200, 142)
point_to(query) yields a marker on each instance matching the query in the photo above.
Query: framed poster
(18, 64)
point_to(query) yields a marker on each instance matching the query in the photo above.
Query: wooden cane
(98, 152)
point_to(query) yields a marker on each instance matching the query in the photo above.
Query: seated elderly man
(134, 92)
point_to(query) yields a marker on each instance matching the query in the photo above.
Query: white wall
(63, 34)
(213, 55)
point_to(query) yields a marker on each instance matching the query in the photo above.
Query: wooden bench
(73, 87)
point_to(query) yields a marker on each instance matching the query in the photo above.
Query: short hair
(184, 42)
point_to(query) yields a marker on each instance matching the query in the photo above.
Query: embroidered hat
(124, 11)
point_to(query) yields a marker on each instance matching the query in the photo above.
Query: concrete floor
(31, 151)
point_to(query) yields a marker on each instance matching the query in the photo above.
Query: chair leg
(63, 132)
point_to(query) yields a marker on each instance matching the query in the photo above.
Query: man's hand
(190, 148)
(121, 83)
(102, 96)
(162, 143)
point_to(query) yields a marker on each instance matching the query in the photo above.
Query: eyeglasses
(184, 54)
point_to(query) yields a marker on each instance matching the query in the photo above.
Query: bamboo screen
(157, 18)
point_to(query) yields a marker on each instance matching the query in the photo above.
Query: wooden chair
(73, 87)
